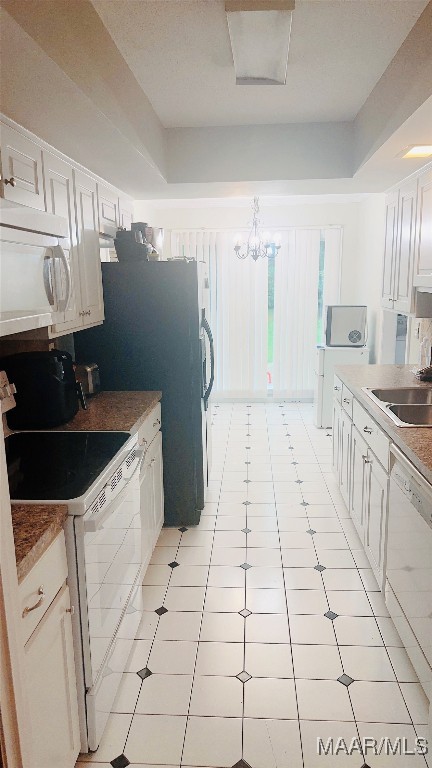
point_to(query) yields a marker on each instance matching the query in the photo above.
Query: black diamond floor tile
(311, 531)
(160, 611)
(120, 762)
(331, 615)
(183, 529)
(145, 672)
(242, 764)
(246, 503)
(320, 568)
(245, 566)
(304, 504)
(174, 564)
(245, 613)
(244, 676)
(246, 530)
(345, 680)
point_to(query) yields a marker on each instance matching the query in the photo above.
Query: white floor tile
(302, 578)
(299, 558)
(127, 694)
(224, 599)
(159, 696)
(156, 738)
(323, 698)
(189, 576)
(354, 630)
(193, 556)
(263, 557)
(271, 743)
(262, 660)
(341, 579)
(226, 576)
(267, 628)
(367, 663)
(313, 662)
(153, 597)
(314, 630)
(172, 657)
(417, 703)
(314, 732)
(179, 626)
(217, 696)
(266, 600)
(378, 703)
(378, 731)
(212, 742)
(222, 627)
(336, 558)
(270, 698)
(113, 739)
(224, 659)
(350, 603)
(264, 578)
(306, 601)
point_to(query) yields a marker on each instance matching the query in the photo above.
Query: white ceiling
(179, 52)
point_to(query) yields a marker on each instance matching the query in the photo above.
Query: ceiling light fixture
(258, 245)
(260, 35)
(416, 150)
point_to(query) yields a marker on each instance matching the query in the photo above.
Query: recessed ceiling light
(260, 34)
(416, 150)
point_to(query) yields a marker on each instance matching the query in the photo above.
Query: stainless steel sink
(405, 395)
(406, 406)
(413, 415)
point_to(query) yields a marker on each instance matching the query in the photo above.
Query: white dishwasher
(409, 564)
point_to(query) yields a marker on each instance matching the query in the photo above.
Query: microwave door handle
(47, 278)
(58, 253)
(95, 522)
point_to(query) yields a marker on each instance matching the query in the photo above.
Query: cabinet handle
(10, 181)
(346, 400)
(36, 605)
(366, 460)
(156, 423)
(367, 430)
(71, 610)
(152, 462)
(337, 389)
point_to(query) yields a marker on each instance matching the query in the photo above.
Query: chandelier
(258, 244)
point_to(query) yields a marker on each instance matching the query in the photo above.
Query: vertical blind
(237, 306)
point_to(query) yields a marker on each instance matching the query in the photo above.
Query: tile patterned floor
(264, 628)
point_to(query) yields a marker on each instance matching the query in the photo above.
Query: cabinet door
(60, 200)
(108, 210)
(21, 164)
(359, 455)
(345, 457)
(404, 260)
(51, 687)
(376, 517)
(337, 411)
(424, 227)
(387, 293)
(158, 491)
(146, 509)
(125, 213)
(88, 249)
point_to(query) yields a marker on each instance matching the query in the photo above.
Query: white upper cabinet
(108, 210)
(423, 248)
(125, 207)
(87, 225)
(403, 292)
(21, 169)
(389, 250)
(59, 194)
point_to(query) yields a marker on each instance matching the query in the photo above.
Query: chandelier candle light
(258, 244)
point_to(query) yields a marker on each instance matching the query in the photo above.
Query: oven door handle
(95, 522)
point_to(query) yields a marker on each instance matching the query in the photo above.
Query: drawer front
(151, 426)
(337, 387)
(373, 434)
(347, 401)
(41, 585)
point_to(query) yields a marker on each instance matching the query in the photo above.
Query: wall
(367, 271)
(274, 213)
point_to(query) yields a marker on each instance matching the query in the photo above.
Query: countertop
(414, 442)
(113, 411)
(35, 526)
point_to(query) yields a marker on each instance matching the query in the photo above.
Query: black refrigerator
(156, 337)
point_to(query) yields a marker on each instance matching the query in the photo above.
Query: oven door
(111, 564)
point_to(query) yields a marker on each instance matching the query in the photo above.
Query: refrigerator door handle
(205, 325)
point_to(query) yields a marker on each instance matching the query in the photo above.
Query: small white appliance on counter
(346, 326)
(326, 360)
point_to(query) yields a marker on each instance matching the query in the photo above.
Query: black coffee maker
(47, 393)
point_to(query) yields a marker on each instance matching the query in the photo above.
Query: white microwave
(35, 284)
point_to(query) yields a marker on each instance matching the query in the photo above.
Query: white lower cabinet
(151, 483)
(51, 686)
(363, 479)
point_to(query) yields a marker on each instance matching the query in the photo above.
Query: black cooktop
(58, 465)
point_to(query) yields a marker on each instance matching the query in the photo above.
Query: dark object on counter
(128, 249)
(88, 376)
(48, 394)
(155, 338)
(425, 374)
